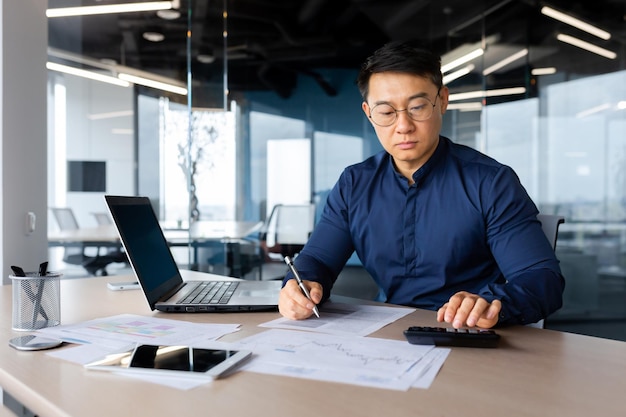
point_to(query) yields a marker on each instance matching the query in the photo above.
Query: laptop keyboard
(211, 292)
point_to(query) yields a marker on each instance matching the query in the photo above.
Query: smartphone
(121, 286)
(184, 361)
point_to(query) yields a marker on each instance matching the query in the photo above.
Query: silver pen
(289, 262)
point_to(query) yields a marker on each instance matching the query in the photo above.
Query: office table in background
(201, 234)
(534, 372)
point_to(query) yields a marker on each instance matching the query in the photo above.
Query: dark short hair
(400, 57)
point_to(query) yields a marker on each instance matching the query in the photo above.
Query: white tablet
(200, 363)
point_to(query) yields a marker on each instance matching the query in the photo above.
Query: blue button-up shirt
(466, 224)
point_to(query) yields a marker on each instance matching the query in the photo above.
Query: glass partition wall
(155, 132)
(552, 110)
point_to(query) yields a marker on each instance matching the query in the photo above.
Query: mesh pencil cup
(36, 301)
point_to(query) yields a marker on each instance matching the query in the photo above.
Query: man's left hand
(467, 309)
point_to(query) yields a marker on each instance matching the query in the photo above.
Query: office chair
(242, 256)
(550, 224)
(287, 229)
(117, 252)
(75, 253)
(102, 218)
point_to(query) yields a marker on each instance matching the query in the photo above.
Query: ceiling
(271, 42)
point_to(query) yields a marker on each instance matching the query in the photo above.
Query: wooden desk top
(535, 372)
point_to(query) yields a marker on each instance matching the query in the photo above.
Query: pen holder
(36, 301)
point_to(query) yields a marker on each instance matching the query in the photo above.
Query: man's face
(408, 141)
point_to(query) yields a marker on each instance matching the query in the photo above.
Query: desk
(200, 231)
(535, 372)
(201, 234)
(94, 236)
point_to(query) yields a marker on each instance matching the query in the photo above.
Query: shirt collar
(423, 171)
(434, 159)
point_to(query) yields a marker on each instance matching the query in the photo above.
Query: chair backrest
(550, 225)
(290, 224)
(287, 229)
(102, 218)
(65, 218)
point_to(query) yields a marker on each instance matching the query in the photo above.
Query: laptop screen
(145, 245)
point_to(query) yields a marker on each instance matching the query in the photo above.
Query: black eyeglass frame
(432, 103)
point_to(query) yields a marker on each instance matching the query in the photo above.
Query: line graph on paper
(305, 350)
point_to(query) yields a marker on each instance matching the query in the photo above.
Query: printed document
(347, 319)
(366, 361)
(124, 329)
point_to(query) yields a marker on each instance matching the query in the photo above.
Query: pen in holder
(36, 300)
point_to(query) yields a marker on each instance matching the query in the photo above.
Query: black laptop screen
(145, 245)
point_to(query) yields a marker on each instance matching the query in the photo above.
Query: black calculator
(447, 336)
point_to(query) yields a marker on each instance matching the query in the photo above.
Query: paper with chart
(349, 319)
(373, 362)
(121, 330)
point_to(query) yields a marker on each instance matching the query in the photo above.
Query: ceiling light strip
(469, 106)
(572, 21)
(111, 115)
(86, 74)
(593, 110)
(458, 74)
(486, 93)
(152, 83)
(110, 8)
(543, 71)
(586, 46)
(462, 60)
(505, 61)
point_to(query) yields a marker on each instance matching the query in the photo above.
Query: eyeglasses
(418, 109)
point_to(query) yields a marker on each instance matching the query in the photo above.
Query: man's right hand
(293, 304)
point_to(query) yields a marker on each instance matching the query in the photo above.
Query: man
(436, 224)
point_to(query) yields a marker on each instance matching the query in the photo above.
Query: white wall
(23, 41)
(99, 120)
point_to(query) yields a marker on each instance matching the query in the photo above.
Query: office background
(284, 137)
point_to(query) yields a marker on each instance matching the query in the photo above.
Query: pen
(43, 270)
(289, 262)
(19, 272)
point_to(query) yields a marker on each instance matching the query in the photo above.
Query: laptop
(159, 277)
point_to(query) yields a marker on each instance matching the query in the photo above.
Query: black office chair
(286, 230)
(243, 256)
(284, 233)
(117, 252)
(550, 224)
(75, 252)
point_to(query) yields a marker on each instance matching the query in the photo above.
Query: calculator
(447, 336)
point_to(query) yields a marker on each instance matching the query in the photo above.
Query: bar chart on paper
(123, 329)
(133, 327)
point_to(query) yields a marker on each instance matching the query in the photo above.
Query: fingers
(490, 318)
(293, 304)
(467, 309)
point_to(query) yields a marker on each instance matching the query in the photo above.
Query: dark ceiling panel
(271, 41)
